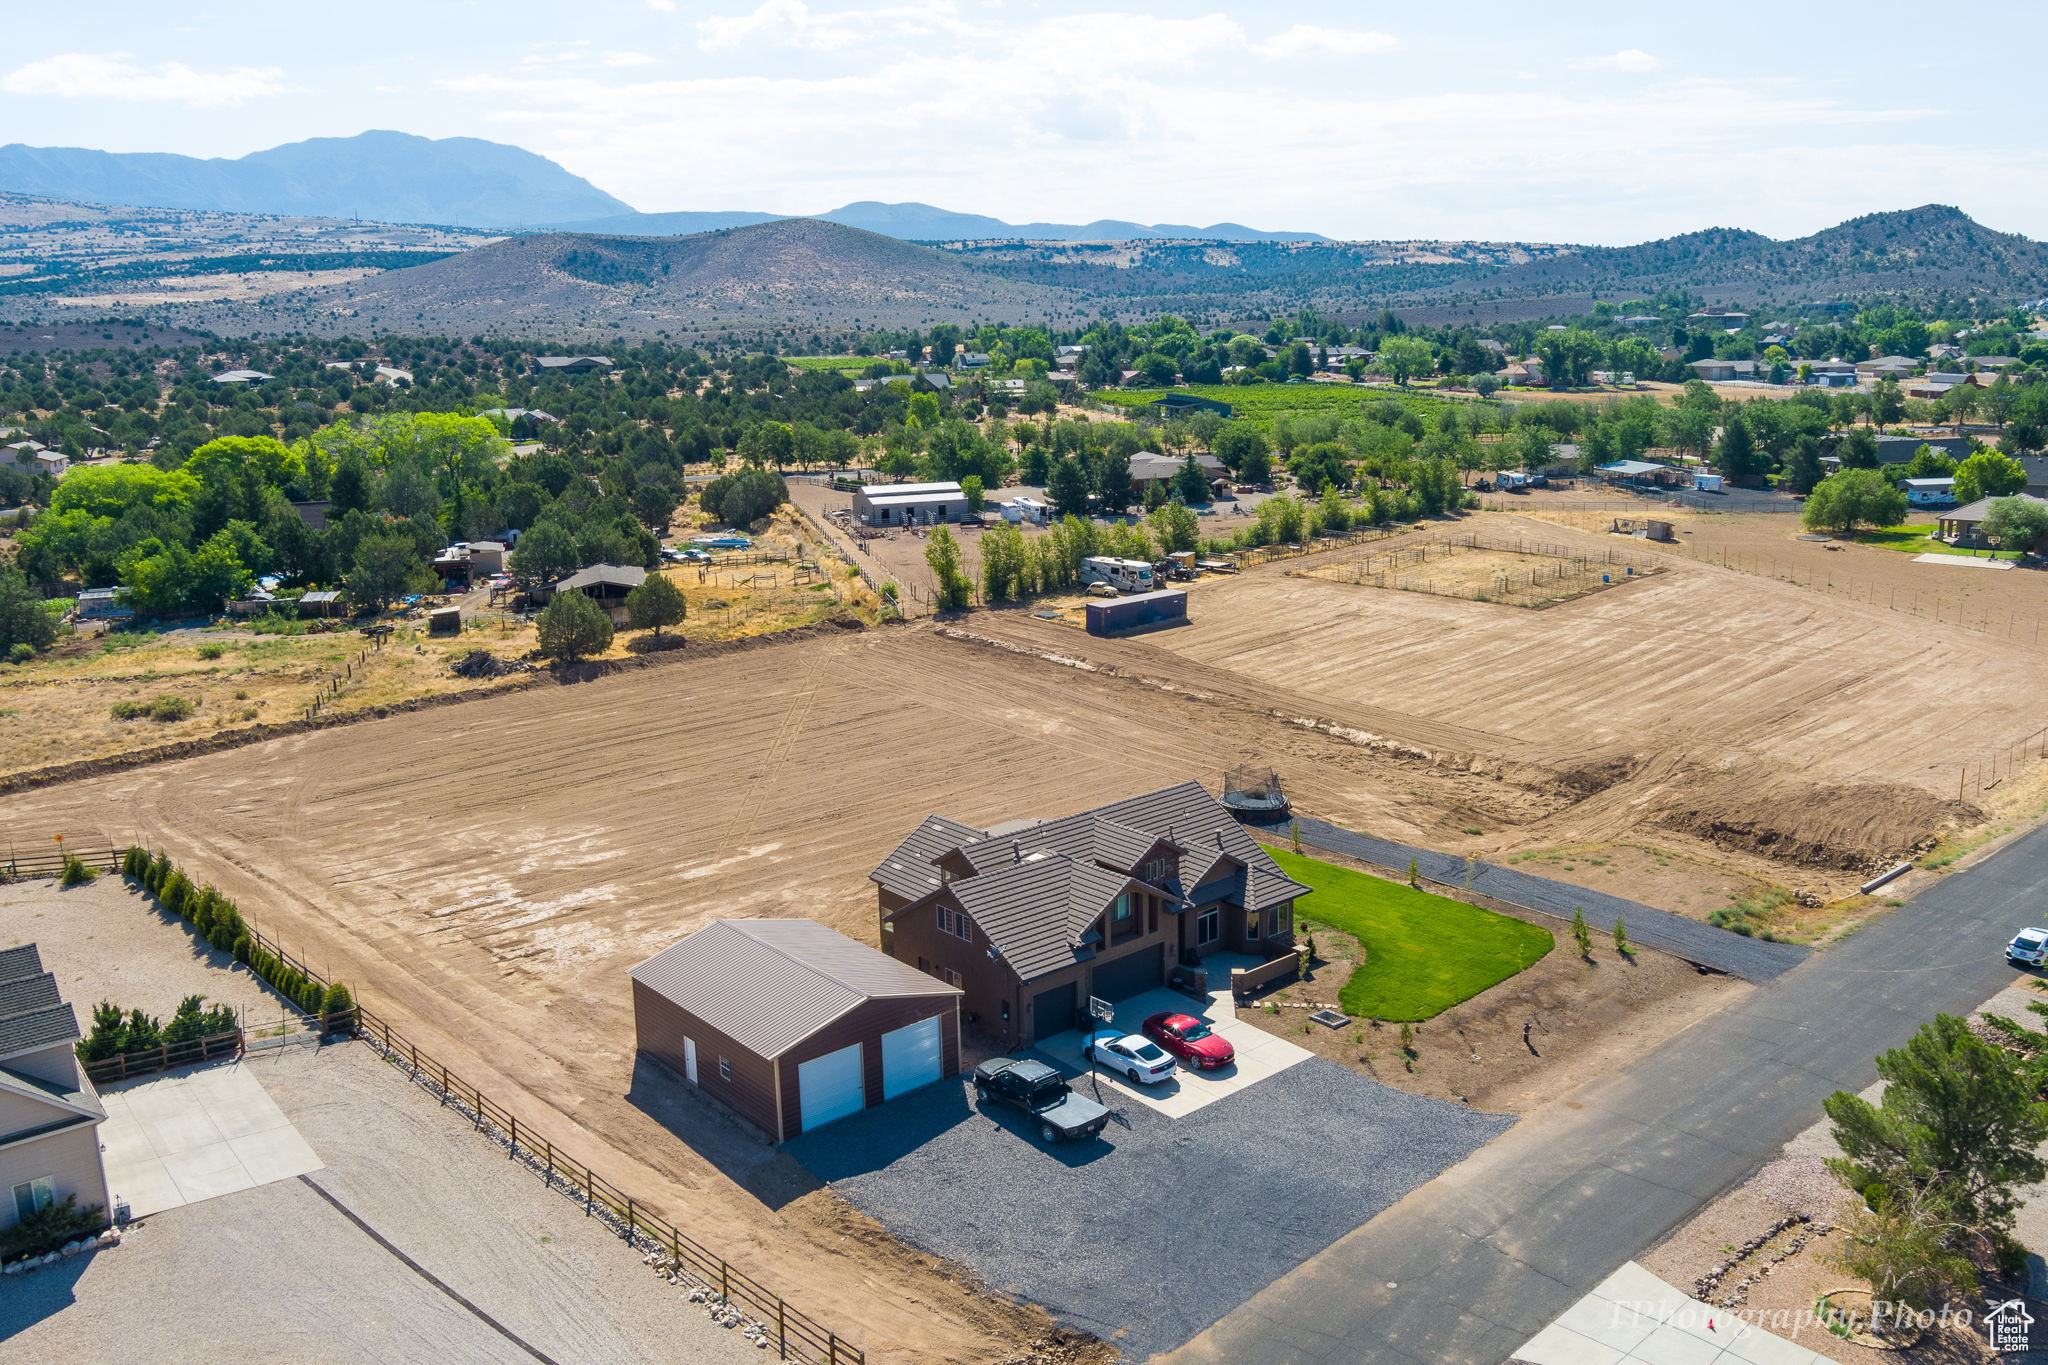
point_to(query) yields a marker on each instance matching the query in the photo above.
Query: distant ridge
(915, 222)
(390, 177)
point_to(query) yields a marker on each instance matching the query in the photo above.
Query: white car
(2029, 948)
(1134, 1057)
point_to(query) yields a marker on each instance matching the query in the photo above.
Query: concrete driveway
(194, 1134)
(1259, 1053)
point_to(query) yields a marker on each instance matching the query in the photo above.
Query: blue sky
(1567, 122)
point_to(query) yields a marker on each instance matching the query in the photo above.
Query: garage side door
(1129, 976)
(829, 1087)
(911, 1057)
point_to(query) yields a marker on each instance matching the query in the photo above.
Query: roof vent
(1016, 851)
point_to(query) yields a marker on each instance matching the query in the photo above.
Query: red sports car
(1189, 1039)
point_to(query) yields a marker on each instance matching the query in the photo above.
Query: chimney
(1016, 852)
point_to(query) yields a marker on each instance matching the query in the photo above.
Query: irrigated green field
(845, 364)
(1263, 404)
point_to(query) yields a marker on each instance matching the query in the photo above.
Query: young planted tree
(656, 603)
(1621, 937)
(1582, 933)
(943, 554)
(572, 626)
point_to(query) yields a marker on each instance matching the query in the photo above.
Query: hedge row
(221, 924)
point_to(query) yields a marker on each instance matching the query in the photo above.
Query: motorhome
(1125, 575)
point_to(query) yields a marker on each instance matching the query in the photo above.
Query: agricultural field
(1424, 953)
(1265, 404)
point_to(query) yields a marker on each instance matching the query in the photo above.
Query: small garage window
(724, 1069)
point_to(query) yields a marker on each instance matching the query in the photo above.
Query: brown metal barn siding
(660, 1025)
(866, 1026)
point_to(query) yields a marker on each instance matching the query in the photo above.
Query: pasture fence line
(796, 1335)
(1976, 776)
(37, 862)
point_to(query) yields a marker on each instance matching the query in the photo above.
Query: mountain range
(468, 182)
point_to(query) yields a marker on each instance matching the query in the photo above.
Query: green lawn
(1261, 404)
(1424, 953)
(1918, 539)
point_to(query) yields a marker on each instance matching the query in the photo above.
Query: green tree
(977, 497)
(1582, 933)
(1853, 498)
(1190, 484)
(655, 603)
(2017, 524)
(1989, 474)
(1405, 357)
(1803, 469)
(23, 621)
(744, 496)
(1569, 356)
(1902, 1244)
(386, 567)
(1736, 454)
(1005, 563)
(1068, 489)
(1176, 527)
(942, 553)
(1858, 450)
(572, 626)
(1323, 465)
(1958, 1122)
(1237, 444)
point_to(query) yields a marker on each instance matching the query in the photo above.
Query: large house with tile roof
(1031, 917)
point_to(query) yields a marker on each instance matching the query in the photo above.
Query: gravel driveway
(1150, 1234)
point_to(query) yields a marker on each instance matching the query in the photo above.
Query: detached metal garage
(792, 1024)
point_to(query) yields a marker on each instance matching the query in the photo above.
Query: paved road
(1476, 1262)
(1749, 958)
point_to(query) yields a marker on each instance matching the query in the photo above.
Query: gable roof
(768, 984)
(27, 993)
(1036, 888)
(34, 1030)
(23, 960)
(609, 575)
(1981, 508)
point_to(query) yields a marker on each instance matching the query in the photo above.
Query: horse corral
(1519, 572)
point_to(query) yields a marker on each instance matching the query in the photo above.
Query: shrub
(20, 652)
(311, 994)
(203, 901)
(172, 708)
(76, 873)
(1621, 937)
(213, 651)
(228, 929)
(177, 894)
(338, 1007)
(50, 1228)
(244, 946)
(1582, 932)
(135, 863)
(159, 872)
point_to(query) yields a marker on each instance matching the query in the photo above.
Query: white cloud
(1312, 40)
(629, 59)
(662, 6)
(792, 23)
(776, 21)
(112, 76)
(1628, 59)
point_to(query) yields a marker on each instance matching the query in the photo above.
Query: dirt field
(1482, 574)
(1754, 713)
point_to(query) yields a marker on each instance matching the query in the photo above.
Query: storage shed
(1169, 606)
(792, 1024)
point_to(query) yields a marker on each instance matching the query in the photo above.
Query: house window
(32, 1196)
(1157, 870)
(1123, 908)
(1283, 919)
(953, 922)
(952, 977)
(1208, 927)
(724, 1069)
(1251, 924)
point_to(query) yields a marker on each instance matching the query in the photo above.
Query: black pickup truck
(1042, 1092)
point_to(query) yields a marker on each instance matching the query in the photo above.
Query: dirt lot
(1750, 713)
(1587, 1017)
(1478, 573)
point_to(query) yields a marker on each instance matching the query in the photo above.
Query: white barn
(909, 504)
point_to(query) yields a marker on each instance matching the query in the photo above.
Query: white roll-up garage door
(829, 1087)
(911, 1057)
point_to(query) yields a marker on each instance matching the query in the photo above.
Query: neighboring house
(2037, 475)
(1929, 492)
(103, 604)
(909, 504)
(242, 377)
(1641, 472)
(1004, 388)
(1149, 466)
(571, 364)
(604, 584)
(1716, 371)
(51, 462)
(388, 374)
(791, 1024)
(1032, 917)
(1963, 524)
(514, 414)
(1886, 366)
(970, 360)
(1182, 404)
(22, 450)
(1893, 449)
(49, 1113)
(1528, 373)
